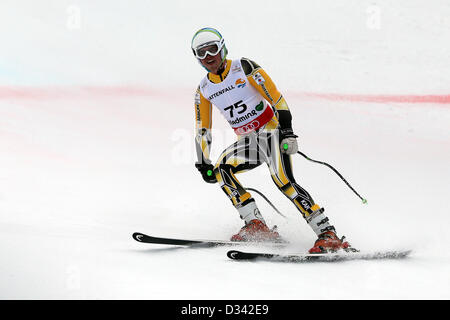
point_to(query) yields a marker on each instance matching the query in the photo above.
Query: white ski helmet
(208, 41)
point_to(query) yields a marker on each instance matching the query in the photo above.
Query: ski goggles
(212, 48)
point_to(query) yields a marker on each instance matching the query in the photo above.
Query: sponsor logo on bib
(260, 106)
(240, 83)
(220, 92)
(248, 127)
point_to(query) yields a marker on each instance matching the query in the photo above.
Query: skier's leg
(241, 157)
(280, 166)
(235, 159)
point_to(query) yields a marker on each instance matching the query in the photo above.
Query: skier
(251, 103)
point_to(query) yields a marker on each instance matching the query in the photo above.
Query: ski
(140, 237)
(325, 257)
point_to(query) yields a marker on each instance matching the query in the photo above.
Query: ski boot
(329, 242)
(257, 230)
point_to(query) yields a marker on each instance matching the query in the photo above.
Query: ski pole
(268, 201)
(210, 172)
(364, 201)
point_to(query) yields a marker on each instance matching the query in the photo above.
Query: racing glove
(288, 141)
(207, 172)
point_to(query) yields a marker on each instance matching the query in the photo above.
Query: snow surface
(96, 142)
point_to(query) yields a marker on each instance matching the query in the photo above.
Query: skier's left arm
(259, 79)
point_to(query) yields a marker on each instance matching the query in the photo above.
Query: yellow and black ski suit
(258, 113)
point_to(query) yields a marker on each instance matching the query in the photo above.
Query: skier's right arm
(203, 124)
